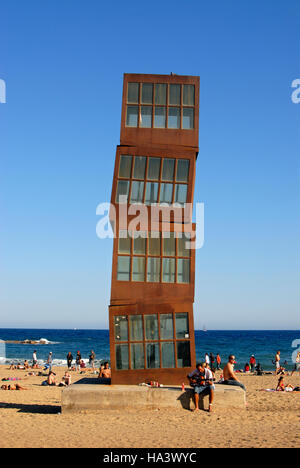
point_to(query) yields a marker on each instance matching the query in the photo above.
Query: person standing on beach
(277, 361)
(78, 360)
(34, 359)
(212, 361)
(92, 359)
(50, 361)
(69, 360)
(252, 363)
(207, 359)
(218, 359)
(229, 376)
(297, 364)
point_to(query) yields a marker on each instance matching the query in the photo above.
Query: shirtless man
(277, 361)
(51, 379)
(229, 376)
(106, 372)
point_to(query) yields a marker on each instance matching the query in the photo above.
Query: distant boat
(204, 328)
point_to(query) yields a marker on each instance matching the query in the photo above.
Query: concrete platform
(88, 397)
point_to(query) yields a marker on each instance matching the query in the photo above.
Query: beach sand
(32, 419)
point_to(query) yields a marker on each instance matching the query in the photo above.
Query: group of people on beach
(202, 380)
(203, 377)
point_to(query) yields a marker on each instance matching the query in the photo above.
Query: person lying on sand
(11, 378)
(283, 388)
(281, 371)
(13, 387)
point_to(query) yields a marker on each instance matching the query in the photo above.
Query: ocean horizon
(243, 343)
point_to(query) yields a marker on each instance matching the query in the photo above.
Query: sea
(263, 344)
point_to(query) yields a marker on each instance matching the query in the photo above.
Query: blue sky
(63, 64)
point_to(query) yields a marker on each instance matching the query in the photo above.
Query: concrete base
(83, 397)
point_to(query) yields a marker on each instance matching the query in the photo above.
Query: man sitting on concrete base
(201, 379)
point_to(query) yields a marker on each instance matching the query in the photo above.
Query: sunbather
(283, 388)
(13, 387)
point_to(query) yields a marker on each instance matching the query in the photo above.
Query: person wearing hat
(252, 363)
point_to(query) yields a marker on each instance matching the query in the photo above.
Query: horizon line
(196, 329)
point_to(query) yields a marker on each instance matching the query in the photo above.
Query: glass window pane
(168, 169)
(123, 269)
(136, 327)
(151, 193)
(138, 269)
(169, 245)
(168, 270)
(139, 167)
(183, 354)
(121, 327)
(167, 355)
(151, 327)
(154, 168)
(153, 360)
(181, 246)
(182, 325)
(124, 243)
(125, 166)
(153, 270)
(188, 97)
(147, 93)
(160, 117)
(180, 193)
(173, 117)
(166, 193)
(137, 356)
(160, 93)
(137, 192)
(122, 361)
(139, 245)
(183, 270)
(122, 190)
(146, 117)
(166, 327)
(133, 93)
(174, 94)
(188, 118)
(132, 116)
(182, 171)
(154, 245)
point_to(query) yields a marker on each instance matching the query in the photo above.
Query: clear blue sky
(63, 64)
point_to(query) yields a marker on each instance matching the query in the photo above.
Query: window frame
(163, 255)
(166, 106)
(160, 181)
(159, 340)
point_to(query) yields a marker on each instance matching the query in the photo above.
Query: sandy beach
(33, 418)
